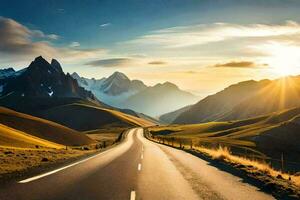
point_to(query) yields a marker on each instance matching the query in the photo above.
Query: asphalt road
(135, 169)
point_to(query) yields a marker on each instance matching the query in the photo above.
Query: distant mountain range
(243, 100)
(112, 90)
(119, 91)
(43, 90)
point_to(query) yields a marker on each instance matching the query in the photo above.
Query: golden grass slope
(10, 137)
(83, 117)
(267, 136)
(42, 128)
(130, 119)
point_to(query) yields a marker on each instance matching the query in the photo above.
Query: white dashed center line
(132, 195)
(142, 156)
(139, 166)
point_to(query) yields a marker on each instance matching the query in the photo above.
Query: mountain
(43, 90)
(112, 90)
(280, 94)
(119, 91)
(42, 79)
(159, 99)
(244, 100)
(4, 73)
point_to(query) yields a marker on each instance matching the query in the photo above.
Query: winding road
(135, 169)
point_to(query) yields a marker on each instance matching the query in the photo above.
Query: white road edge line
(132, 195)
(139, 166)
(62, 168)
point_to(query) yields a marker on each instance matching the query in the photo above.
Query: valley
(46, 119)
(149, 100)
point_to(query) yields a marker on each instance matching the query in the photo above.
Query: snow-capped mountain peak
(111, 90)
(119, 76)
(116, 84)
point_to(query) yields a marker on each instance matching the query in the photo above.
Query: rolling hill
(265, 136)
(244, 100)
(10, 137)
(83, 117)
(41, 128)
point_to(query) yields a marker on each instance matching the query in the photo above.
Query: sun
(283, 59)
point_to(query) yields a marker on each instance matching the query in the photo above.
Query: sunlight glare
(283, 58)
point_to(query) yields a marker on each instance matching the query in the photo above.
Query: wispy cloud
(238, 64)
(184, 36)
(157, 62)
(17, 39)
(40, 34)
(105, 25)
(112, 62)
(61, 10)
(74, 44)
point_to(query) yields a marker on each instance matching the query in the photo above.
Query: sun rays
(281, 94)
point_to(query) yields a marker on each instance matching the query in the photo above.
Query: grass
(223, 153)
(23, 152)
(258, 169)
(18, 160)
(130, 119)
(10, 137)
(107, 135)
(265, 137)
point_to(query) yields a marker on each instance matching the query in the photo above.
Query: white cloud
(105, 25)
(184, 36)
(40, 34)
(111, 62)
(19, 43)
(74, 44)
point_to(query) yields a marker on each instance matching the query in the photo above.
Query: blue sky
(156, 41)
(77, 20)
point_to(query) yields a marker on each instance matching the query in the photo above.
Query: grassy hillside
(245, 100)
(279, 94)
(42, 128)
(75, 113)
(263, 137)
(84, 117)
(10, 137)
(213, 107)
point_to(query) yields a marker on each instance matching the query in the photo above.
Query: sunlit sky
(201, 45)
